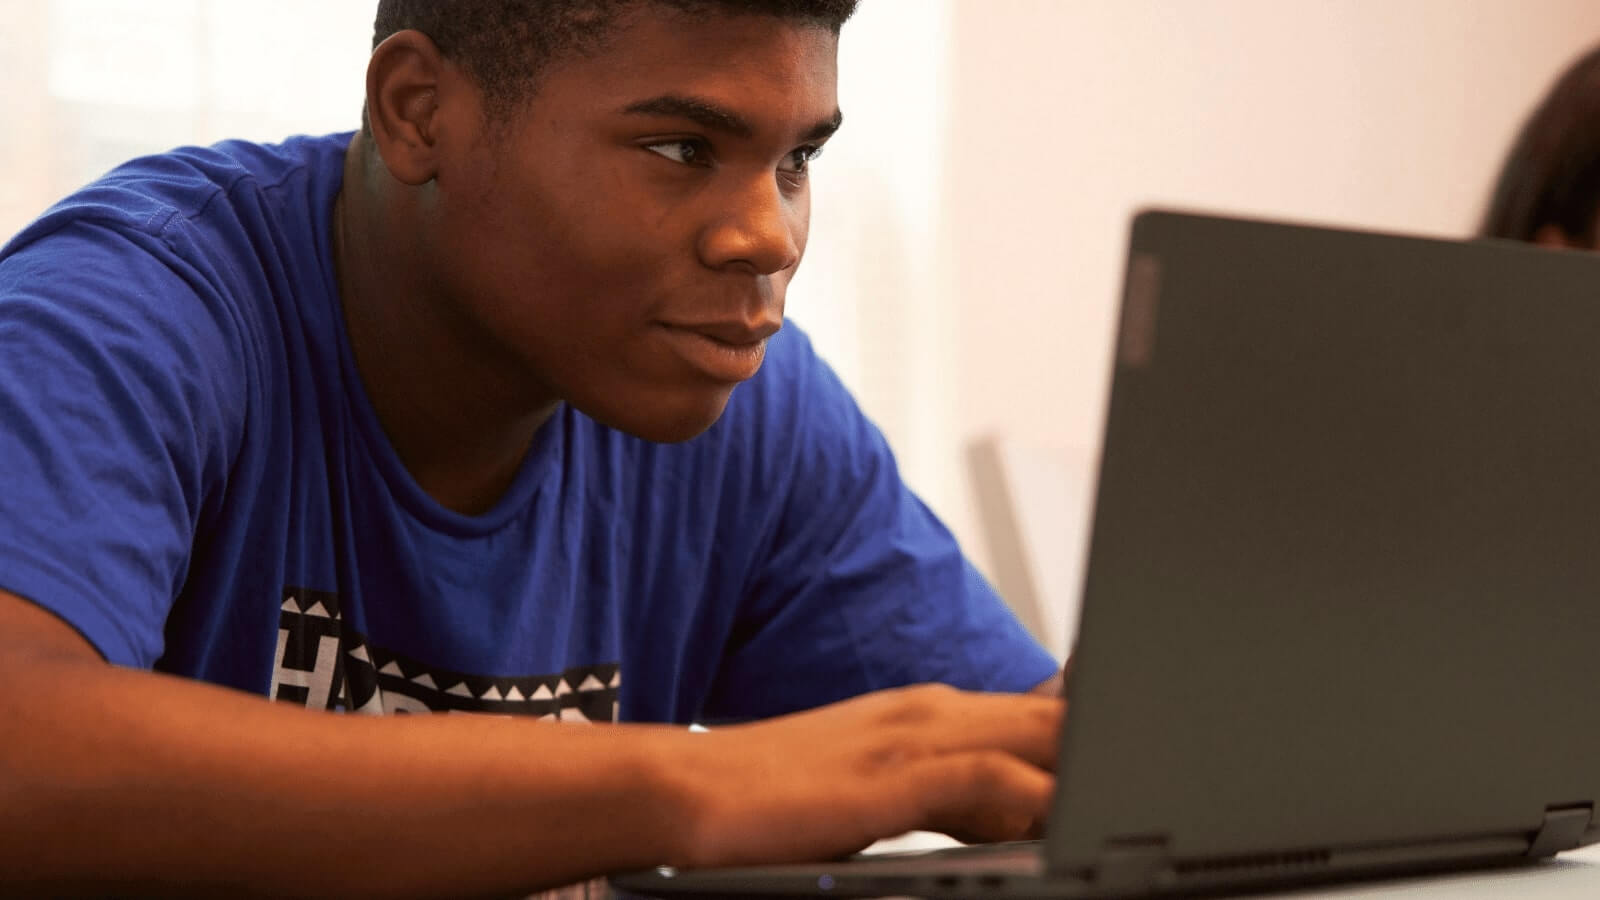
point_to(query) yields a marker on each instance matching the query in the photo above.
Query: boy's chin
(669, 421)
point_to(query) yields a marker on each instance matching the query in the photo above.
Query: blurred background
(969, 219)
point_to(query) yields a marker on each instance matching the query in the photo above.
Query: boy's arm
(126, 779)
(1055, 685)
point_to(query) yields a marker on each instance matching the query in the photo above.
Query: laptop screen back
(1343, 588)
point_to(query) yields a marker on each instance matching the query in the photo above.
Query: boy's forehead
(658, 39)
(729, 60)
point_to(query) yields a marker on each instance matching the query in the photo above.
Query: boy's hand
(831, 781)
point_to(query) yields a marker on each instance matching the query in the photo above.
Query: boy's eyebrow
(710, 115)
(825, 129)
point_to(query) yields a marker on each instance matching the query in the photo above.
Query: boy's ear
(1554, 236)
(403, 105)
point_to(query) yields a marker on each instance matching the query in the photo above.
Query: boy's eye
(690, 153)
(801, 158)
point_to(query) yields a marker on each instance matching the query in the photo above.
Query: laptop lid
(1342, 594)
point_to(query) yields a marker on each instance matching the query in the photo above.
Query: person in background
(488, 406)
(1548, 191)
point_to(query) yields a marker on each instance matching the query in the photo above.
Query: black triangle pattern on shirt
(321, 663)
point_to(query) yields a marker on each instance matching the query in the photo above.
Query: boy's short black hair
(504, 44)
(1552, 174)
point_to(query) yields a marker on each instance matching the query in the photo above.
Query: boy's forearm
(112, 778)
(127, 782)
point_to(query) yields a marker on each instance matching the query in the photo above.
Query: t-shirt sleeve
(110, 428)
(859, 586)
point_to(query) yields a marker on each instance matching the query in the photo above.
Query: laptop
(1341, 610)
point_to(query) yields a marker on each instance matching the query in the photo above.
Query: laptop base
(1016, 871)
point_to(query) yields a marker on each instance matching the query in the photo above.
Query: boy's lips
(728, 352)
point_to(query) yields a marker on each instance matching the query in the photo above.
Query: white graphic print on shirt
(321, 664)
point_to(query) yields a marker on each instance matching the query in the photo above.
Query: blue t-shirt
(192, 476)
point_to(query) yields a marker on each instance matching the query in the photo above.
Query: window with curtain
(91, 83)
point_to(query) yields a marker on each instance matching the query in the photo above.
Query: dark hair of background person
(1551, 178)
(503, 44)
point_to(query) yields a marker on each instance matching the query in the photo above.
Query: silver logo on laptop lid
(1137, 339)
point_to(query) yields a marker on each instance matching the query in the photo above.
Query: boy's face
(629, 236)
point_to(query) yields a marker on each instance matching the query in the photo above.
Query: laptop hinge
(1563, 829)
(1134, 864)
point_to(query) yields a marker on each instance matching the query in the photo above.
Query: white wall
(1061, 117)
(869, 293)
